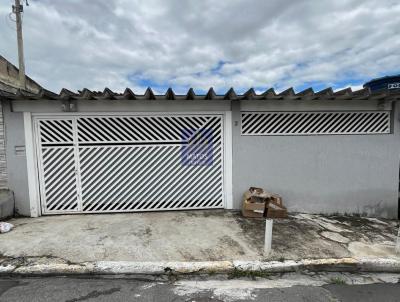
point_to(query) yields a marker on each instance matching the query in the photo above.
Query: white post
(18, 9)
(228, 160)
(398, 242)
(268, 236)
(30, 162)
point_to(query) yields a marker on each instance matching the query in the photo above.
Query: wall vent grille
(315, 123)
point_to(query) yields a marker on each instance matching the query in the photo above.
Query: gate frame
(31, 143)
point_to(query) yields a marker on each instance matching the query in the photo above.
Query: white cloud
(119, 43)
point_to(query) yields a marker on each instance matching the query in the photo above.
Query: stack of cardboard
(258, 203)
(275, 208)
(254, 201)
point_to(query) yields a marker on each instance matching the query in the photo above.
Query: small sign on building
(394, 86)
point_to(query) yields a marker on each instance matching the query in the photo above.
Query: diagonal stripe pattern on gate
(60, 186)
(137, 128)
(131, 163)
(55, 131)
(142, 178)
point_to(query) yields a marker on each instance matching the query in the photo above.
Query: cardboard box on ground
(258, 203)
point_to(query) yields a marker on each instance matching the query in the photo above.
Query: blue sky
(202, 44)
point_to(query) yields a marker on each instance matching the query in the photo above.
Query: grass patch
(337, 281)
(237, 273)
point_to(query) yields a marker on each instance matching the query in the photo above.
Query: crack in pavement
(95, 294)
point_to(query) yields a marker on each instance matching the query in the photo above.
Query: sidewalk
(193, 241)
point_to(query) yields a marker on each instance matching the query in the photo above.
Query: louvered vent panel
(312, 123)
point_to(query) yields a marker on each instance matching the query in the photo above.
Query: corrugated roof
(9, 78)
(270, 94)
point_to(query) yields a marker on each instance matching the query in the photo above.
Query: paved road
(76, 289)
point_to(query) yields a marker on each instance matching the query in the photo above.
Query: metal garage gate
(130, 163)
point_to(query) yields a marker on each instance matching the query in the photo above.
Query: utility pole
(17, 10)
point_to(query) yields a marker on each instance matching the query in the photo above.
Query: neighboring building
(9, 82)
(388, 82)
(91, 152)
(9, 78)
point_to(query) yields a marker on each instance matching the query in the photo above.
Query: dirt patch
(296, 239)
(230, 243)
(209, 213)
(252, 229)
(353, 221)
(335, 237)
(366, 229)
(147, 232)
(143, 232)
(292, 238)
(187, 256)
(178, 219)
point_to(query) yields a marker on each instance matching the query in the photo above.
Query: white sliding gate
(130, 163)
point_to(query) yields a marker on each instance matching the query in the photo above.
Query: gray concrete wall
(320, 174)
(6, 203)
(16, 162)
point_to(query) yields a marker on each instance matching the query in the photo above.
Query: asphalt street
(93, 289)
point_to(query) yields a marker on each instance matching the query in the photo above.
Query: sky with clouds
(205, 43)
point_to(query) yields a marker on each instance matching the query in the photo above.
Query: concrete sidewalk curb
(51, 266)
(162, 268)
